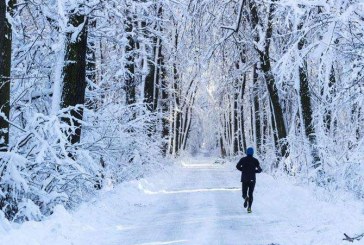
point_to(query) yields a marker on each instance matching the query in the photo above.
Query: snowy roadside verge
(63, 226)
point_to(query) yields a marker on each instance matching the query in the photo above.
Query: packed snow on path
(197, 202)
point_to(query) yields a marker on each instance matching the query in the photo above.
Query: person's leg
(251, 190)
(244, 189)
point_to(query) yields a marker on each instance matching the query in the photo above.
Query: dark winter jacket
(248, 166)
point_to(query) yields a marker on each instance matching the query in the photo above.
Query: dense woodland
(110, 89)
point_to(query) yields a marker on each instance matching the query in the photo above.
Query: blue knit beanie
(250, 151)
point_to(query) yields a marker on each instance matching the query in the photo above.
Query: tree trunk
(5, 71)
(222, 148)
(177, 100)
(7, 202)
(266, 67)
(264, 57)
(189, 113)
(235, 122)
(327, 115)
(92, 103)
(256, 110)
(242, 134)
(151, 80)
(305, 98)
(74, 82)
(130, 83)
(235, 114)
(164, 102)
(306, 107)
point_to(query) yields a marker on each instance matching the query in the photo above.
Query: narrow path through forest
(199, 202)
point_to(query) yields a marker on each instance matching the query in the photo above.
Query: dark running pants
(248, 189)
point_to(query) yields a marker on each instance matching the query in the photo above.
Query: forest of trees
(94, 88)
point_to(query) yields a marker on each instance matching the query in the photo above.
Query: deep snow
(197, 202)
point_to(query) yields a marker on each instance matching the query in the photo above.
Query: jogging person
(248, 166)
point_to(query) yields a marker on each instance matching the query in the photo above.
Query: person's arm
(239, 166)
(258, 169)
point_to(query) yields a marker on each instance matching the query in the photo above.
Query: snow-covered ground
(197, 202)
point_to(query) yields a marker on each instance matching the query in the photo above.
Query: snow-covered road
(198, 203)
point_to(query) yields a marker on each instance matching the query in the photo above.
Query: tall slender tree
(306, 105)
(130, 50)
(91, 69)
(152, 78)
(5, 70)
(256, 113)
(74, 82)
(277, 118)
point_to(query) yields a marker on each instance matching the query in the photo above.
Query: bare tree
(5, 70)
(74, 82)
